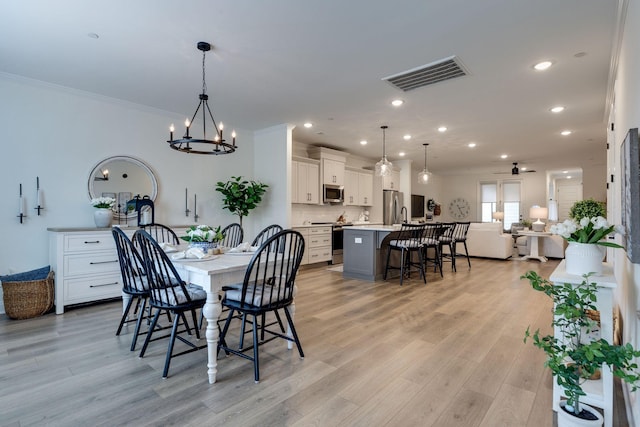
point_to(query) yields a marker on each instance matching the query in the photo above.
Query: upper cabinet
(305, 183)
(358, 188)
(332, 164)
(391, 181)
(333, 172)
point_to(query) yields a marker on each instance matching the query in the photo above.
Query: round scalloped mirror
(122, 178)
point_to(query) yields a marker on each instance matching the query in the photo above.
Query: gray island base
(365, 251)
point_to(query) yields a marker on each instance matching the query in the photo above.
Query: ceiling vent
(444, 69)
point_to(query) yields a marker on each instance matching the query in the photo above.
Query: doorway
(567, 195)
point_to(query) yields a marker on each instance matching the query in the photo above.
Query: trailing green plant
(588, 208)
(241, 196)
(572, 357)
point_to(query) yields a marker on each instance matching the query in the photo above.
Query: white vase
(103, 217)
(583, 258)
(565, 419)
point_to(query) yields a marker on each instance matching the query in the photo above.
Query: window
(491, 193)
(488, 200)
(511, 197)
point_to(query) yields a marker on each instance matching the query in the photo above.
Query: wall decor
(39, 201)
(21, 209)
(630, 197)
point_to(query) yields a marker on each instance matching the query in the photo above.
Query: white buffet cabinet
(86, 265)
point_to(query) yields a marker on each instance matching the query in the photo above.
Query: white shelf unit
(599, 392)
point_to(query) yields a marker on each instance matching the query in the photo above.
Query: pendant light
(215, 146)
(383, 167)
(423, 177)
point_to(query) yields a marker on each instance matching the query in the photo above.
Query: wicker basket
(24, 300)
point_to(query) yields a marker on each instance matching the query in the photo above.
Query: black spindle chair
(408, 243)
(162, 233)
(233, 235)
(268, 286)
(265, 233)
(169, 293)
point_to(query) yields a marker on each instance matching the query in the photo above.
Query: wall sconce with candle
(38, 196)
(105, 176)
(21, 209)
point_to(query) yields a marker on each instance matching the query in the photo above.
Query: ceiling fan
(516, 171)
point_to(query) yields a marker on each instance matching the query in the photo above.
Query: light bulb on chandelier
(424, 175)
(383, 167)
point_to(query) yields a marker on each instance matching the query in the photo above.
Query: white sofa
(486, 239)
(551, 247)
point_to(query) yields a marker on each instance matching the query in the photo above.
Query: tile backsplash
(324, 213)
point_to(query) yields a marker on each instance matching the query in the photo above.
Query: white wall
(60, 134)
(626, 116)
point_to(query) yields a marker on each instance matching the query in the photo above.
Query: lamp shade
(498, 215)
(538, 212)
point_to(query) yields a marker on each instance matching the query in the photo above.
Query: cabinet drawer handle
(101, 262)
(105, 284)
(96, 241)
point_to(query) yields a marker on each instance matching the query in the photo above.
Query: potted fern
(572, 356)
(241, 196)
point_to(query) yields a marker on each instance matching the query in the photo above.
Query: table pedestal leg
(212, 310)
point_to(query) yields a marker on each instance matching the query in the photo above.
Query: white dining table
(212, 275)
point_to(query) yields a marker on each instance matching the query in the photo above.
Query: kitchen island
(364, 253)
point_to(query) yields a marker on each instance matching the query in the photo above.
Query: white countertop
(373, 227)
(354, 223)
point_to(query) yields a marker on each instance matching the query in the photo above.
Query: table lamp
(498, 216)
(540, 213)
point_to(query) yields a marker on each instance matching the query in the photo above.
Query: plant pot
(103, 217)
(566, 419)
(205, 246)
(583, 258)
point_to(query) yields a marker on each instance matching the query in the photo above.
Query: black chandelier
(187, 142)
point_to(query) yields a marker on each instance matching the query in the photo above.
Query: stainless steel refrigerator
(391, 212)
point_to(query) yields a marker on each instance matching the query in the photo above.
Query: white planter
(103, 217)
(583, 258)
(567, 420)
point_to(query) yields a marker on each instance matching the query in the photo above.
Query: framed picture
(630, 197)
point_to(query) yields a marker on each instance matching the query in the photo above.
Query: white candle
(39, 197)
(195, 205)
(21, 205)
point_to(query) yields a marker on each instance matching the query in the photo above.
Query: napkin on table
(243, 247)
(191, 253)
(167, 248)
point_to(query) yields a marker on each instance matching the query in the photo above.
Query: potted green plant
(241, 196)
(588, 208)
(572, 356)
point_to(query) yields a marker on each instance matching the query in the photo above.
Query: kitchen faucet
(404, 208)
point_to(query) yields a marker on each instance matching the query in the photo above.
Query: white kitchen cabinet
(365, 189)
(318, 243)
(351, 188)
(333, 172)
(305, 185)
(358, 188)
(391, 181)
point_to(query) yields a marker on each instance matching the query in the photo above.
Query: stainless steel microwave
(333, 193)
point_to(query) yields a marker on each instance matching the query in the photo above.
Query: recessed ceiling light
(565, 171)
(580, 54)
(558, 109)
(565, 132)
(308, 125)
(93, 35)
(407, 137)
(471, 144)
(442, 129)
(363, 142)
(504, 156)
(568, 176)
(397, 102)
(541, 66)
(401, 154)
(524, 168)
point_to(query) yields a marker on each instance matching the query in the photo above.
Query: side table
(534, 244)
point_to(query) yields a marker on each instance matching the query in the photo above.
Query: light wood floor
(449, 353)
